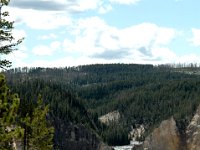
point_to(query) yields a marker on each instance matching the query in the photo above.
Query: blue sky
(61, 33)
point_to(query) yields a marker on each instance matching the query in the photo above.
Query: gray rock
(165, 137)
(193, 132)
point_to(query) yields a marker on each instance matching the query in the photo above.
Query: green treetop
(37, 133)
(9, 103)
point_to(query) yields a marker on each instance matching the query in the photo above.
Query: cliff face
(110, 117)
(193, 132)
(137, 133)
(165, 137)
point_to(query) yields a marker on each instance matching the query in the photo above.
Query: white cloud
(165, 35)
(49, 36)
(68, 45)
(36, 19)
(91, 23)
(46, 21)
(95, 41)
(43, 50)
(138, 35)
(146, 41)
(19, 34)
(52, 14)
(124, 1)
(69, 6)
(71, 61)
(105, 8)
(195, 40)
(146, 34)
(92, 38)
(19, 54)
(66, 61)
(164, 54)
(86, 32)
(17, 57)
(83, 5)
(107, 40)
(190, 58)
(55, 45)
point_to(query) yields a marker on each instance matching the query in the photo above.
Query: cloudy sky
(62, 33)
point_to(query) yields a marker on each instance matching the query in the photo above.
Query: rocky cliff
(113, 116)
(165, 137)
(168, 137)
(193, 132)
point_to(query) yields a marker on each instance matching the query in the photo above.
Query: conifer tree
(38, 136)
(7, 41)
(9, 103)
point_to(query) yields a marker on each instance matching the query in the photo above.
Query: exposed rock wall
(193, 132)
(165, 137)
(136, 133)
(113, 116)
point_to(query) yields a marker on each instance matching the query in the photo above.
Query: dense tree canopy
(9, 103)
(37, 132)
(143, 94)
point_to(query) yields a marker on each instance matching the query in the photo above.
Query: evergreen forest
(143, 94)
(59, 108)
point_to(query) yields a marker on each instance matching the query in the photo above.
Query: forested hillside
(143, 94)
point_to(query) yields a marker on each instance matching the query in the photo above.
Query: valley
(136, 94)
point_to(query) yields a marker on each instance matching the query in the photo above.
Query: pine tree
(37, 135)
(7, 41)
(9, 103)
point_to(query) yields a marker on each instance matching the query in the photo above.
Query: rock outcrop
(165, 137)
(113, 116)
(137, 133)
(193, 132)
(168, 137)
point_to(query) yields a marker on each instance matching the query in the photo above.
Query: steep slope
(143, 95)
(165, 137)
(77, 137)
(74, 129)
(193, 132)
(168, 137)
